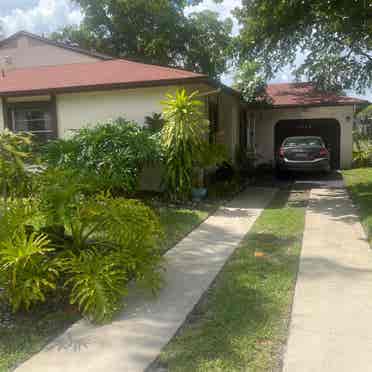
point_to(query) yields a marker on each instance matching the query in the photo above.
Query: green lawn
(177, 223)
(359, 184)
(25, 334)
(241, 324)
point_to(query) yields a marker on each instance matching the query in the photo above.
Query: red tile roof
(305, 94)
(97, 75)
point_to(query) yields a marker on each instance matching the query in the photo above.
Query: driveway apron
(135, 339)
(331, 325)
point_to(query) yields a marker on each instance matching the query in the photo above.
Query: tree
(250, 81)
(209, 44)
(153, 31)
(334, 37)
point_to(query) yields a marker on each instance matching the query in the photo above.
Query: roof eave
(295, 106)
(106, 87)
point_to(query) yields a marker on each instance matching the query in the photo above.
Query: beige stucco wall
(77, 110)
(267, 119)
(28, 52)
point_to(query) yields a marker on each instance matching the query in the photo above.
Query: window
(302, 141)
(32, 118)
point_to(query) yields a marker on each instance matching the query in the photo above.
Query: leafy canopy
(153, 31)
(333, 36)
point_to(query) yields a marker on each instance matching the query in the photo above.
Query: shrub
(113, 241)
(362, 150)
(98, 283)
(89, 244)
(110, 155)
(58, 191)
(26, 269)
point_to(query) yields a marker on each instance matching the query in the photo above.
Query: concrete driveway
(331, 327)
(301, 180)
(310, 181)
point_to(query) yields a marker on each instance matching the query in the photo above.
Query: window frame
(49, 106)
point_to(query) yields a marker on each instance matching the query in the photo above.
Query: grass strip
(359, 184)
(241, 324)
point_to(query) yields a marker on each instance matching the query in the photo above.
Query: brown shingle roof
(88, 76)
(305, 94)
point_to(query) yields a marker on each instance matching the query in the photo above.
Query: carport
(328, 129)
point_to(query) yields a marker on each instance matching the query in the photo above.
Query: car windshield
(302, 141)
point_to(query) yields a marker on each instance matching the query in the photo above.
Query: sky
(45, 16)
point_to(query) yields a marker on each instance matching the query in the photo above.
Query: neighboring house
(24, 49)
(298, 109)
(51, 89)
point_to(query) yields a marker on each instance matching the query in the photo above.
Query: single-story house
(51, 89)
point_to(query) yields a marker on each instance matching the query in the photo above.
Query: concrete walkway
(136, 338)
(331, 326)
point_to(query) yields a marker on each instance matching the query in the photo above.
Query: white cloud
(8, 5)
(47, 16)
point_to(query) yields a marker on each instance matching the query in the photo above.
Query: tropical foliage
(105, 243)
(183, 137)
(362, 150)
(112, 154)
(154, 122)
(64, 239)
(26, 270)
(14, 177)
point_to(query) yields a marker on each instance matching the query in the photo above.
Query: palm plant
(183, 137)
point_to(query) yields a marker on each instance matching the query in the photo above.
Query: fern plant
(183, 136)
(27, 269)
